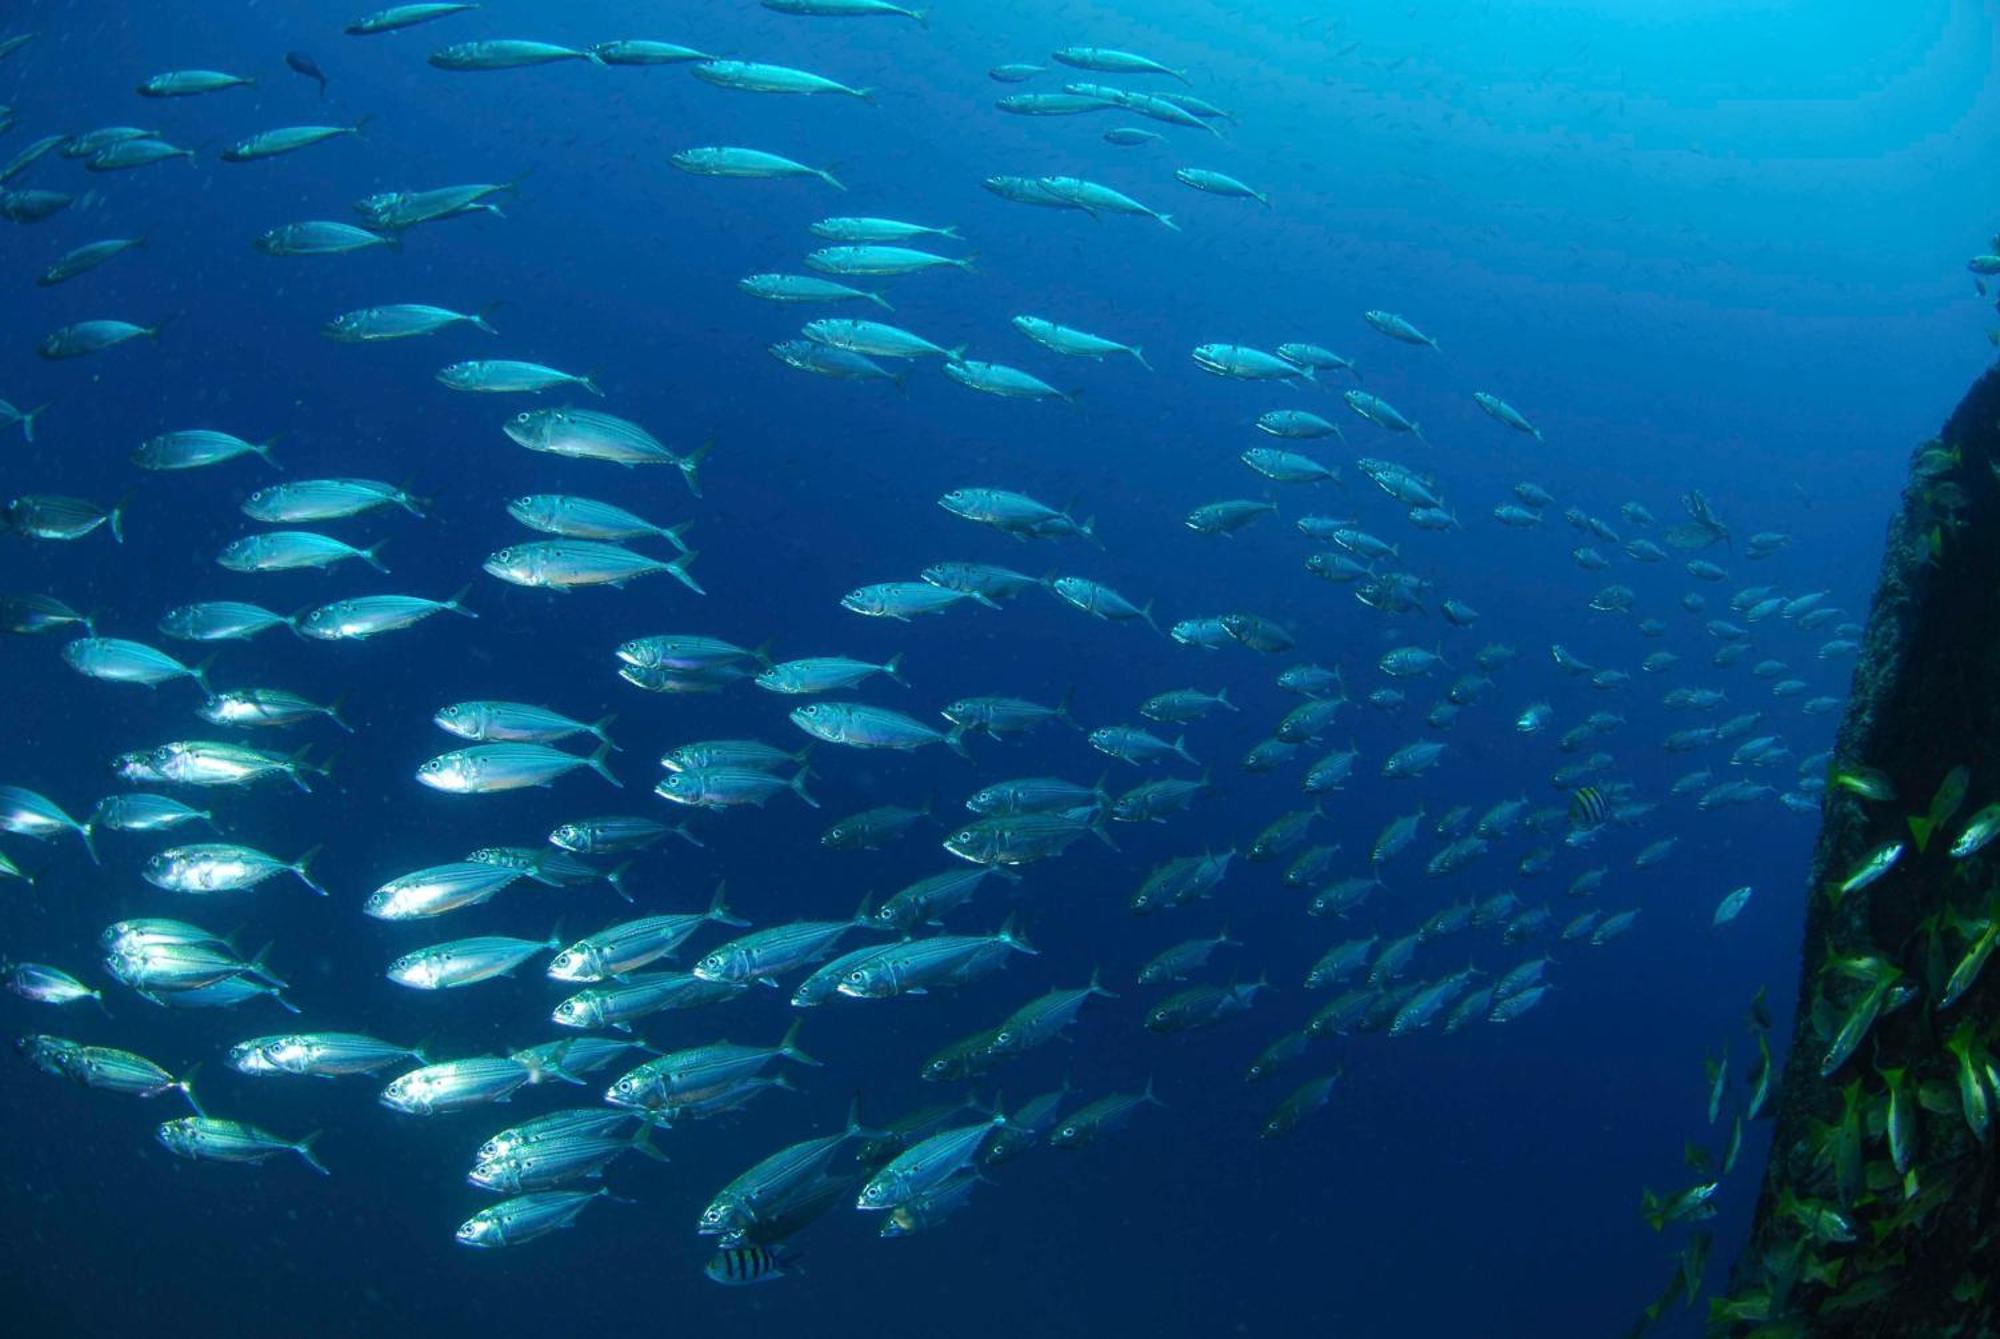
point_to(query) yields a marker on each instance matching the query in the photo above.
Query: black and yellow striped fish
(1588, 807)
(748, 1264)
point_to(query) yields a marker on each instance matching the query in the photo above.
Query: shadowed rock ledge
(1877, 1209)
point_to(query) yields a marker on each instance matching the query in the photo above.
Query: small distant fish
(727, 161)
(187, 83)
(642, 52)
(211, 1139)
(403, 16)
(506, 54)
(320, 237)
(847, 9)
(806, 288)
(82, 260)
(742, 1265)
(195, 448)
(1500, 411)
(504, 376)
(1396, 328)
(85, 337)
(1109, 60)
(486, 768)
(757, 77)
(1219, 183)
(1075, 343)
(303, 64)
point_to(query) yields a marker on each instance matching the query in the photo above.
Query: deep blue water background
(1701, 246)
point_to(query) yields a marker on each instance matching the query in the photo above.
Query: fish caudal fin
(596, 764)
(304, 1148)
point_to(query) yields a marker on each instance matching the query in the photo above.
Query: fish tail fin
(827, 176)
(1063, 706)
(199, 672)
(616, 878)
(1146, 612)
(184, 1085)
(602, 724)
(718, 908)
(28, 422)
(596, 764)
(855, 1128)
(690, 465)
(303, 868)
(1920, 831)
(87, 831)
(255, 967)
(878, 299)
(589, 382)
(1168, 219)
(115, 518)
(1014, 937)
(955, 740)
(1139, 354)
(642, 1143)
(298, 763)
(789, 1046)
(1096, 986)
(304, 1148)
(678, 569)
(798, 786)
(1101, 832)
(372, 556)
(457, 601)
(481, 318)
(685, 831)
(263, 451)
(1180, 747)
(1149, 1096)
(966, 263)
(332, 710)
(1222, 939)
(1222, 699)
(893, 667)
(1089, 531)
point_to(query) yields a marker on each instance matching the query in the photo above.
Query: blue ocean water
(1701, 246)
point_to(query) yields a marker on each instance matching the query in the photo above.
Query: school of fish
(1460, 914)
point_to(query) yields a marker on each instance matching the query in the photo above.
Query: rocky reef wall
(1876, 1216)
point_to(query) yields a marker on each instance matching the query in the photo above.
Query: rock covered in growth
(1875, 1215)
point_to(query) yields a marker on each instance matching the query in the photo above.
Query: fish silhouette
(306, 66)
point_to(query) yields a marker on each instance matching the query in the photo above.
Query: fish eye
(523, 416)
(964, 836)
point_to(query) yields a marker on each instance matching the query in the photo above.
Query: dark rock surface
(1926, 699)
